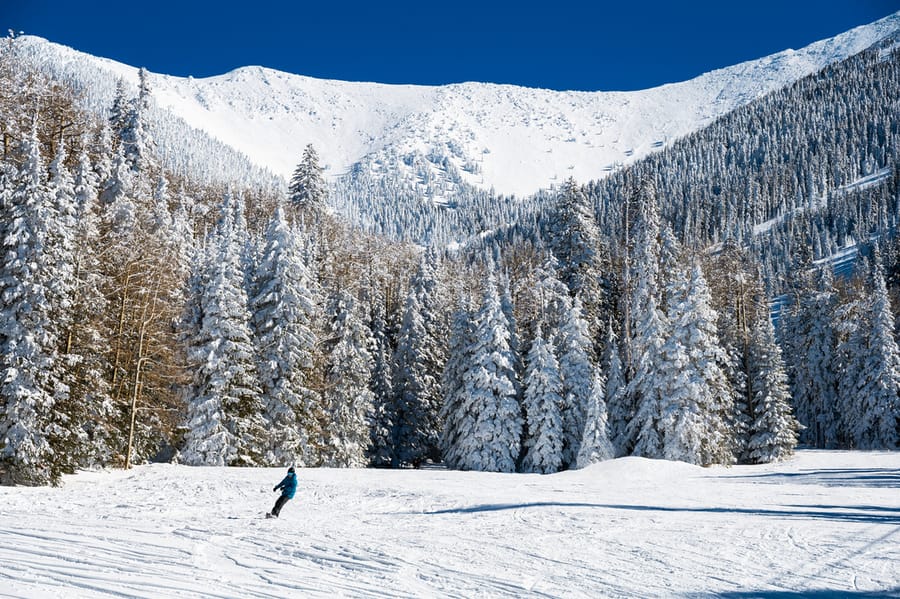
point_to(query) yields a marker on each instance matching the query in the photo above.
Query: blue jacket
(288, 485)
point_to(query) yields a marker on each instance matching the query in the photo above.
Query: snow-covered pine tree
(224, 413)
(28, 357)
(515, 344)
(773, 432)
(347, 397)
(614, 394)
(669, 264)
(542, 401)
(118, 199)
(490, 428)
(415, 428)
(284, 311)
(874, 408)
(595, 443)
(118, 113)
(574, 348)
(134, 134)
(70, 415)
(86, 338)
(646, 329)
(307, 191)
(811, 344)
(582, 259)
(453, 383)
(381, 420)
(418, 361)
(696, 398)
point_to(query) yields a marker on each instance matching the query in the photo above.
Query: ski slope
(825, 524)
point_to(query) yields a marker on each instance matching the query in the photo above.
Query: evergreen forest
(720, 301)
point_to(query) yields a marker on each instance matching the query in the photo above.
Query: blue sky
(556, 44)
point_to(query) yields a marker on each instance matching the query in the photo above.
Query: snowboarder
(288, 487)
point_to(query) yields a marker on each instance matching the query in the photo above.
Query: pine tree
(581, 258)
(595, 444)
(283, 316)
(614, 394)
(307, 191)
(417, 426)
(542, 401)
(86, 338)
(646, 329)
(68, 436)
(876, 403)
(28, 359)
(574, 348)
(773, 433)
(696, 398)
(419, 361)
(224, 416)
(812, 345)
(491, 422)
(381, 422)
(347, 397)
(136, 141)
(453, 383)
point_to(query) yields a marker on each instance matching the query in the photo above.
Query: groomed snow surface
(825, 524)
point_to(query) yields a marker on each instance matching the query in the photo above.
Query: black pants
(279, 504)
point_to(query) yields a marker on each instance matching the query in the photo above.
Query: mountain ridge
(510, 139)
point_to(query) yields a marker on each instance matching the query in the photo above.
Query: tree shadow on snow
(810, 594)
(850, 477)
(864, 514)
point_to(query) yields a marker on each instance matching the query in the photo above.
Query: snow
(821, 201)
(823, 522)
(520, 139)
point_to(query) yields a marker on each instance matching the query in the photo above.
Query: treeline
(145, 315)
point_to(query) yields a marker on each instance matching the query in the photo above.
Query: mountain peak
(512, 139)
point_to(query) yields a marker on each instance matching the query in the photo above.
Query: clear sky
(556, 44)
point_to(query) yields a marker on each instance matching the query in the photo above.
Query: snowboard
(270, 515)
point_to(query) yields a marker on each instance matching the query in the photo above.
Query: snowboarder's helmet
(291, 469)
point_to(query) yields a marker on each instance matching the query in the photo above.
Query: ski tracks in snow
(627, 528)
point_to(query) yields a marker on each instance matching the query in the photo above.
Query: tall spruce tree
(542, 402)
(283, 318)
(28, 360)
(696, 397)
(224, 413)
(614, 394)
(773, 432)
(874, 407)
(347, 397)
(582, 259)
(418, 361)
(595, 443)
(381, 420)
(646, 329)
(812, 343)
(307, 191)
(453, 386)
(574, 348)
(490, 428)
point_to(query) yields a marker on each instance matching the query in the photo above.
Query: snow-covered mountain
(515, 140)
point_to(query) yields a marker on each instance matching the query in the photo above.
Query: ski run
(822, 524)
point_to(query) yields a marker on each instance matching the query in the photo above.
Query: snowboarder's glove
(274, 488)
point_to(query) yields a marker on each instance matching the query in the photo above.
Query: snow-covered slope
(513, 139)
(826, 524)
